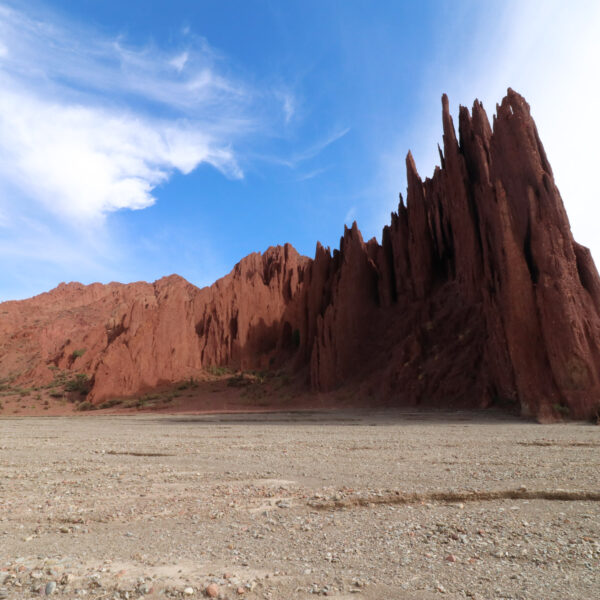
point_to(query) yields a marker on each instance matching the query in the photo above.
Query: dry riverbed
(296, 505)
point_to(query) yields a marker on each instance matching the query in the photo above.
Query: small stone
(212, 591)
(188, 591)
(451, 558)
(50, 588)
(241, 591)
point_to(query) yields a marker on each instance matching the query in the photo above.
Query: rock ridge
(478, 294)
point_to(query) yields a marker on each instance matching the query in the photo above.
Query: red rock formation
(138, 336)
(482, 293)
(477, 293)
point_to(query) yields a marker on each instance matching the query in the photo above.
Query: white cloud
(312, 174)
(74, 135)
(319, 146)
(288, 107)
(90, 125)
(83, 162)
(294, 160)
(314, 150)
(179, 61)
(350, 216)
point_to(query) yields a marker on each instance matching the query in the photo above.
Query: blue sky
(139, 139)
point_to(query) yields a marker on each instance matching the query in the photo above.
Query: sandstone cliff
(477, 294)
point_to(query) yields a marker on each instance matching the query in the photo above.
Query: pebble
(188, 591)
(50, 588)
(212, 591)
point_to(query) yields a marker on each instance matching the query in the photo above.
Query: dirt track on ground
(347, 505)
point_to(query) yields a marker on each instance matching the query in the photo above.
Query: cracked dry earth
(347, 505)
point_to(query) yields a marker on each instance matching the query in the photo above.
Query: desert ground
(381, 505)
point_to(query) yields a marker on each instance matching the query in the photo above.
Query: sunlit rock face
(478, 294)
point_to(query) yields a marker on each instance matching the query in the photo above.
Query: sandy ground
(293, 505)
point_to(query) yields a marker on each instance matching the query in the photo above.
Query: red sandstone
(477, 294)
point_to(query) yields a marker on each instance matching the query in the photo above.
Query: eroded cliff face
(481, 293)
(477, 294)
(132, 338)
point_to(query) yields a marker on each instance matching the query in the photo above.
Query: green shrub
(80, 383)
(78, 353)
(110, 403)
(218, 371)
(190, 383)
(86, 406)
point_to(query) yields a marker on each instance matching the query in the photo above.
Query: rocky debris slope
(478, 294)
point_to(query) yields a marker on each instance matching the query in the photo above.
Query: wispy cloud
(318, 147)
(73, 131)
(312, 174)
(91, 125)
(350, 215)
(296, 159)
(82, 162)
(179, 61)
(288, 107)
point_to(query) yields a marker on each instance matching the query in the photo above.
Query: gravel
(388, 505)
